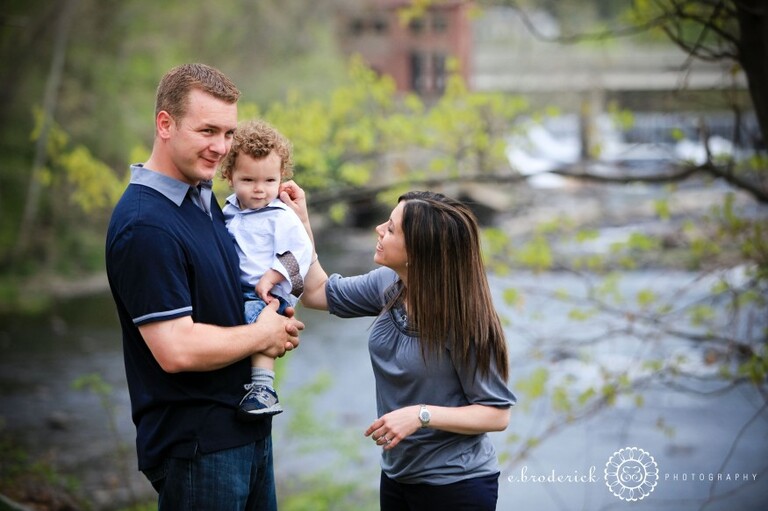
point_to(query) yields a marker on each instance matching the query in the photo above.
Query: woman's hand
(295, 198)
(388, 430)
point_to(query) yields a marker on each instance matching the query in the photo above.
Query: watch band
(424, 416)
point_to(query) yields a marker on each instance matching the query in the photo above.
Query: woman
(438, 353)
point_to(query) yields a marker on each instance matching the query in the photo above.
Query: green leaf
(536, 254)
(701, 314)
(662, 208)
(577, 314)
(585, 396)
(534, 386)
(560, 400)
(645, 298)
(512, 297)
(583, 235)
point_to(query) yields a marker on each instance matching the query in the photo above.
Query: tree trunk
(753, 56)
(32, 203)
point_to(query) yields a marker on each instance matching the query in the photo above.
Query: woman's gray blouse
(404, 379)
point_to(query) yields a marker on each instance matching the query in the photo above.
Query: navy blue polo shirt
(167, 258)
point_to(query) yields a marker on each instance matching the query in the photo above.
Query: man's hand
(284, 330)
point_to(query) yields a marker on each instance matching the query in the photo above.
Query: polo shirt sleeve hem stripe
(183, 311)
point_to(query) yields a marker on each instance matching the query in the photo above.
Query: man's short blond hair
(174, 88)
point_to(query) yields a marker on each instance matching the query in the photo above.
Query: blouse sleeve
(489, 389)
(362, 295)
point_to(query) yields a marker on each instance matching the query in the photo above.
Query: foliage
(96, 384)
(27, 480)
(309, 434)
(710, 329)
(704, 29)
(94, 186)
(366, 135)
(323, 492)
(103, 105)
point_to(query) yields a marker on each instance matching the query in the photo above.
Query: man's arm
(182, 345)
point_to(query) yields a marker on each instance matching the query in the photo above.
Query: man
(173, 272)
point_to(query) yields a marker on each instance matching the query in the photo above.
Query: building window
(416, 25)
(380, 26)
(419, 75)
(356, 26)
(439, 22)
(438, 72)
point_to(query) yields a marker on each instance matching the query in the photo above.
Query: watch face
(424, 415)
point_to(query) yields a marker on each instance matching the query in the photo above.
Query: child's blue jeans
(254, 305)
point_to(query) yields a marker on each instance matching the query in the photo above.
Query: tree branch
(593, 36)
(679, 172)
(709, 23)
(50, 99)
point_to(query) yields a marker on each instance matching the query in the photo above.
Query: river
(701, 444)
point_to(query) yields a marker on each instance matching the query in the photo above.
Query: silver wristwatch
(424, 416)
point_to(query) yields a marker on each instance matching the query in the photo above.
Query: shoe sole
(262, 412)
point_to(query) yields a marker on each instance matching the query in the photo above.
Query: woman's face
(390, 246)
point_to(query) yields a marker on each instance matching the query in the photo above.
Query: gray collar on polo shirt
(174, 189)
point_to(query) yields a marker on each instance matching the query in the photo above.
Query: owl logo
(631, 474)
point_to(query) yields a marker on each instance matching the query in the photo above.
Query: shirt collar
(277, 203)
(173, 189)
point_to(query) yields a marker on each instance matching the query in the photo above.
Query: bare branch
(735, 442)
(757, 192)
(679, 172)
(611, 33)
(708, 23)
(676, 386)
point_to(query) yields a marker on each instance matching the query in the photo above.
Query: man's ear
(164, 123)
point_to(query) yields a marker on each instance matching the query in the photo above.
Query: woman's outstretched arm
(314, 283)
(314, 288)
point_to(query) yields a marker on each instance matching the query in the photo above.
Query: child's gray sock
(261, 376)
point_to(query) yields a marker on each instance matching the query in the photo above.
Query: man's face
(198, 141)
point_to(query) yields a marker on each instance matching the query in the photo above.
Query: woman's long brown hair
(447, 292)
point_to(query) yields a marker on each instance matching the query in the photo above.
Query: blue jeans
(475, 494)
(238, 479)
(254, 305)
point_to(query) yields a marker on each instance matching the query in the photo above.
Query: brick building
(416, 54)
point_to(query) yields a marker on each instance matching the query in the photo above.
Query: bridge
(508, 58)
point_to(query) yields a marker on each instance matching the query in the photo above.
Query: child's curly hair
(257, 139)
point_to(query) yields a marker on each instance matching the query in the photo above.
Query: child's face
(256, 182)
